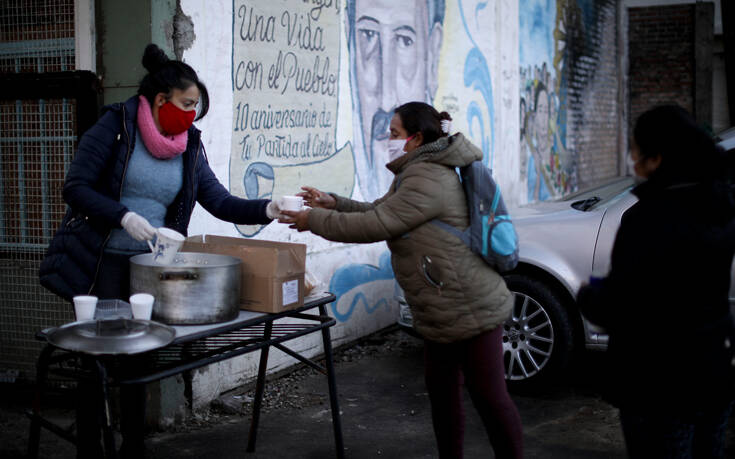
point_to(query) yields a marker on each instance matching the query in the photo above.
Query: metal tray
(112, 337)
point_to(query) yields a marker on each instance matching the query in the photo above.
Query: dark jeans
(656, 435)
(113, 282)
(480, 361)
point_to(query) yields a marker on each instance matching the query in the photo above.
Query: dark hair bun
(445, 116)
(154, 58)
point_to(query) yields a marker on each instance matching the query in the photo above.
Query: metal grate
(36, 145)
(37, 141)
(36, 36)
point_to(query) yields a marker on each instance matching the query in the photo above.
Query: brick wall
(594, 97)
(582, 147)
(661, 55)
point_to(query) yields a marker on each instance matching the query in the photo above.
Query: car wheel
(537, 338)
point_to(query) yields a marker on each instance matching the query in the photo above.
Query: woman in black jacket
(665, 301)
(141, 166)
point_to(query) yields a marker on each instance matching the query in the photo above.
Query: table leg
(334, 402)
(34, 436)
(108, 436)
(259, 388)
(188, 381)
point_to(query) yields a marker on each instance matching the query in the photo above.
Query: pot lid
(119, 336)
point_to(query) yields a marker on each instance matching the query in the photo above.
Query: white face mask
(396, 148)
(637, 179)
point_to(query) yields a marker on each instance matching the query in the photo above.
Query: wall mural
(285, 70)
(476, 76)
(350, 285)
(394, 57)
(545, 162)
(285, 75)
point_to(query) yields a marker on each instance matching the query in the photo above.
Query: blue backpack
(491, 233)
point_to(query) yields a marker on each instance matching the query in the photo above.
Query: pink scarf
(160, 146)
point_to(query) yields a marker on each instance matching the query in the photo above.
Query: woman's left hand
(299, 219)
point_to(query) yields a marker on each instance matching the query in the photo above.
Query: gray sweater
(150, 186)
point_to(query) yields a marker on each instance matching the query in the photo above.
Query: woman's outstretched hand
(315, 198)
(299, 220)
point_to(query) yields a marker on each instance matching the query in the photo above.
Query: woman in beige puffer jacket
(458, 302)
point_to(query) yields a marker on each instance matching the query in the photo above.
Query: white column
(85, 51)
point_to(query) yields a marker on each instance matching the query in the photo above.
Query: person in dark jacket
(141, 166)
(665, 301)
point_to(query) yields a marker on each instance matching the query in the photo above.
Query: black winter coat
(665, 301)
(93, 188)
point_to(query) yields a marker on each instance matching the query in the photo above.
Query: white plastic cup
(84, 306)
(142, 305)
(293, 203)
(167, 245)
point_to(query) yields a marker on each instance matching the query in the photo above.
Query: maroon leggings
(480, 360)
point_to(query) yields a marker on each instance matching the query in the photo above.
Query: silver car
(561, 244)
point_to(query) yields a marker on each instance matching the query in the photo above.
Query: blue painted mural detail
(387, 44)
(352, 276)
(477, 76)
(254, 174)
(545, 161)
(535, 21)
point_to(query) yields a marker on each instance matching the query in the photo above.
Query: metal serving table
(193, 347)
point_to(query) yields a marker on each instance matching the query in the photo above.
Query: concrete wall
(334, 76)
(462, 60)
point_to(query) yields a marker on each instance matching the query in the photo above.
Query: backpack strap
(462, 235)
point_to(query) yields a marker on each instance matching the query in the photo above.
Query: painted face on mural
(394, 61)
(542, 122)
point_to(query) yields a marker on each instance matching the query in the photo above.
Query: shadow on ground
(385, 413)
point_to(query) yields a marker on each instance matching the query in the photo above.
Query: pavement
(385, 414)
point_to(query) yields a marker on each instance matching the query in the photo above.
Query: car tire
(537, 342)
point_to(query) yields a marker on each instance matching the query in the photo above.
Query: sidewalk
(385, 413)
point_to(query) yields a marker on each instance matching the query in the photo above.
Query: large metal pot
(197, 288)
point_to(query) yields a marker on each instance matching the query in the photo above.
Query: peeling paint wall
(182, 32)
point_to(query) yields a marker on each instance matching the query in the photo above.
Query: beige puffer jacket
(459, 296)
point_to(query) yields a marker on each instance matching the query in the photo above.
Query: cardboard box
(272, 272)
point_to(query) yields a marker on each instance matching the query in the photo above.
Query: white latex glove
(137, 227)
(273, 210)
